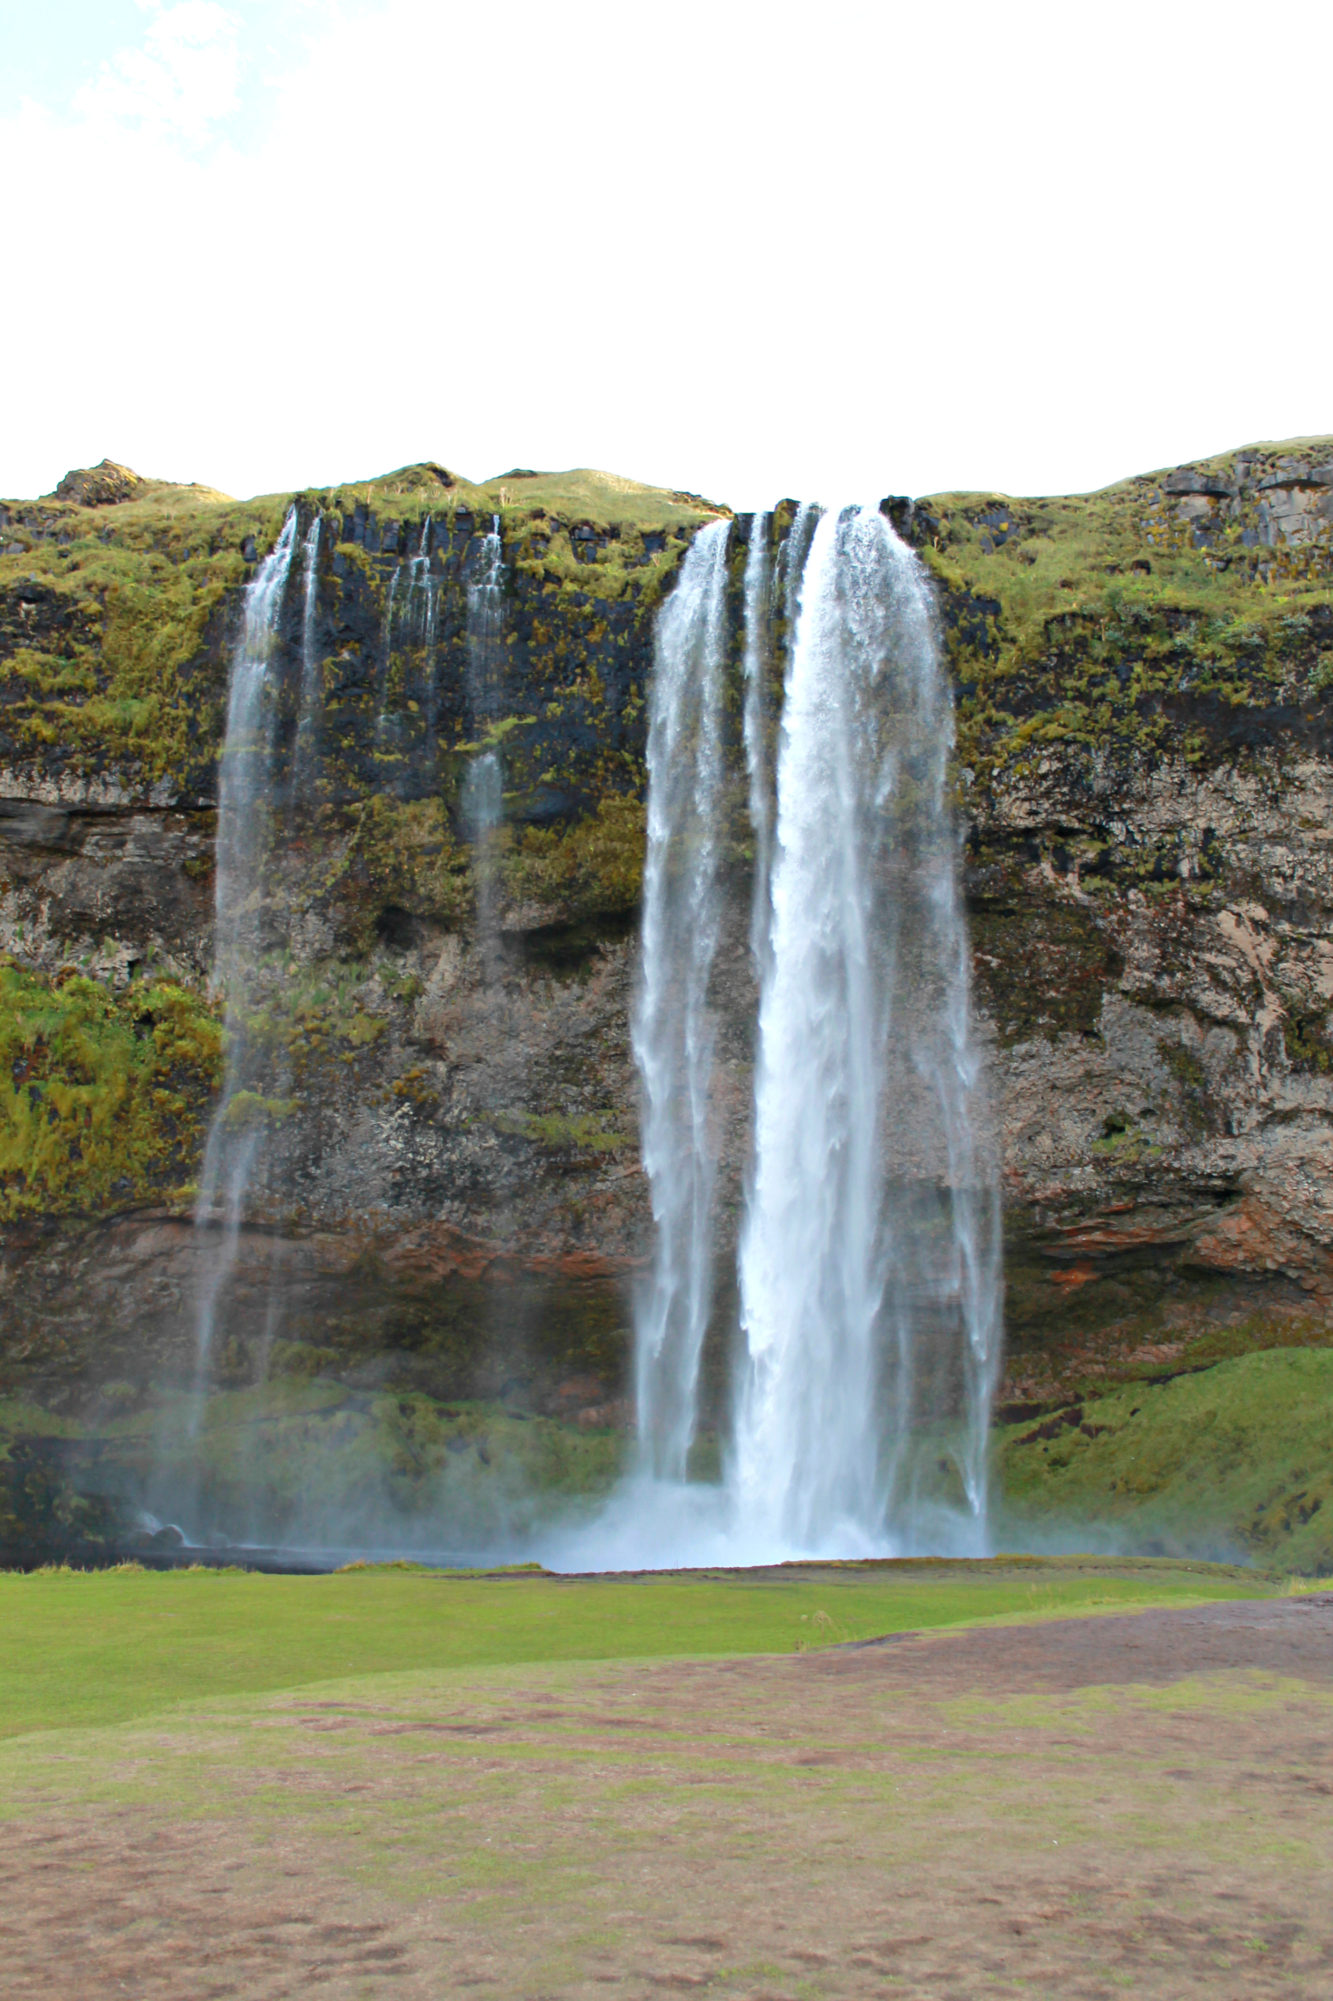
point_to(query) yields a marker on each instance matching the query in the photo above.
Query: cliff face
(452, 1206)
(450, 1197)
(1144, 734)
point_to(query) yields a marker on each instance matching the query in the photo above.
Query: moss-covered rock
(118, 610)
(105, 1097)
(1184, 611)
(1234, 1460)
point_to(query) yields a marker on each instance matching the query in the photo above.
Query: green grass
(1237, 1457)
(581, 494)
(93, 1648)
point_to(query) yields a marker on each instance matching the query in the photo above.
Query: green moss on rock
(591, 869)
(1237, 1457)
(109, 661)
(104, 1099)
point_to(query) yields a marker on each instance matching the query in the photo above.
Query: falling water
(795, 551)
(307, 726)
(481, 806)
(243, 838)
(758, 591)
(869, 1258)
(485, 610)
(672, 1033)
(482, 799)
(868, 1264)
(422, 595)
(426, 588)
(411, 615)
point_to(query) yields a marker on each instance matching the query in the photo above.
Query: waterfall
(795, 550)
(411, 612)
(307, 726)
(869, 1257)
(672, 1033)
(485, 607)
(244, 836)
(868, 1261)
(422, 596)
(755, 725)
(481, 802)
(425, 586)
(481, 808)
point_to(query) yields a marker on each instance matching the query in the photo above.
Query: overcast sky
(831, 250)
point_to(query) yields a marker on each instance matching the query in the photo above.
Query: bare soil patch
(1136, 1804)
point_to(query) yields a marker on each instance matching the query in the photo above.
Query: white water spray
(672, 1033)
(869, 1259)
(481, 807)
(307, 725)
(411, 616)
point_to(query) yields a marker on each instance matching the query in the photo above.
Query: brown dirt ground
(1136, 1804)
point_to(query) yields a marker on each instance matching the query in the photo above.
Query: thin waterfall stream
(755, 728)
(481, 800)
(672, 1032)
(245, 831)
(485, 612)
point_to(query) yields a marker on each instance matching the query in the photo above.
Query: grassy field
(1066, 1806)
(103, 1647)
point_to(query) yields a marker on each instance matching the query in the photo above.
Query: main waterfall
(868, 1260)
(869, 1255)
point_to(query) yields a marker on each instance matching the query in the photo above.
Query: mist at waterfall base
(865, 1348)
(868, 1262)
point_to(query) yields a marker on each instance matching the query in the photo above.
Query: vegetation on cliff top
(114, 594)
(1144, 615)
(580, 497)
(105, 612)
(1086, 619)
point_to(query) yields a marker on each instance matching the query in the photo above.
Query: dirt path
(1137, 1804)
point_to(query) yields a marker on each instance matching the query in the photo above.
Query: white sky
(831, 250)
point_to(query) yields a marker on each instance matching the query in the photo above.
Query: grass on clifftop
(104, 612)
(80, 1648)
(113, 627)
(601, 499)
(1112, 603)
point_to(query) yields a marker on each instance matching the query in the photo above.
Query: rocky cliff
(452, 1213)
